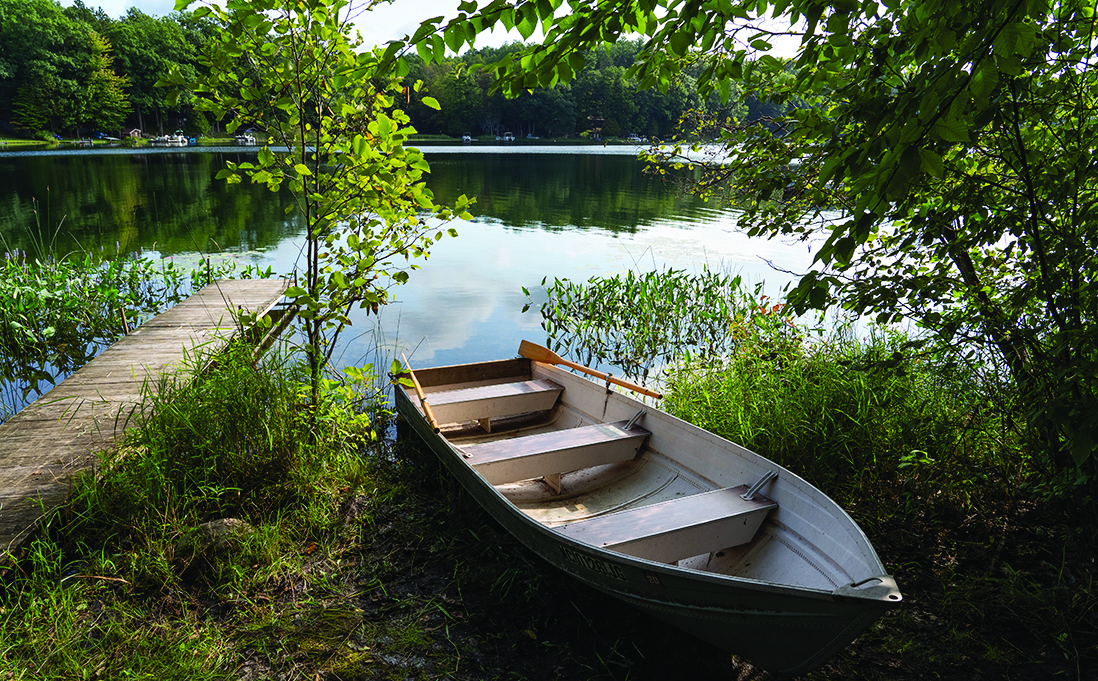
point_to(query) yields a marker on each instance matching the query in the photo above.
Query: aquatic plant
(57, 311)
(642, 321)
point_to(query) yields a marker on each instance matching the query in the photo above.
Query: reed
(837, 406)
(640, 322)
(849, 410)
(58, 310)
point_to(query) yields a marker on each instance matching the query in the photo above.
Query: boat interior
(602, 482)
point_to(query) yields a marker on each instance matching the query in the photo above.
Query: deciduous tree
(956, 139)
(106, 104)
(293, 69)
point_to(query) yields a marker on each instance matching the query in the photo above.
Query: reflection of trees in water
(172, 203)
(167, 202)
(559, 190)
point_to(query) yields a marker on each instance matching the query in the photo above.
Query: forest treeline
(72, 70)
(63, 70)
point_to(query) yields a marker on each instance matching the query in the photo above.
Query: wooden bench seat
(669, 531)
(549, 454)
(493, 401)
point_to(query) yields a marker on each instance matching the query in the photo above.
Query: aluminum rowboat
(696, 530)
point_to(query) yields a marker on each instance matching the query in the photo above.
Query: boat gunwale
(503, 369)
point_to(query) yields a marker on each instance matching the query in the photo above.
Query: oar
(539, 354)
(419, 392)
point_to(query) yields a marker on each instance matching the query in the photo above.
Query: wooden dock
(58, 435)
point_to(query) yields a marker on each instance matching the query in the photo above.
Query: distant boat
(245, 140)
(176, 139)
(466, 137)
(676, 521)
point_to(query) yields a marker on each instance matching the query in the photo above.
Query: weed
(59, 310)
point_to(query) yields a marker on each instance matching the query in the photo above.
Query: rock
(214, 536)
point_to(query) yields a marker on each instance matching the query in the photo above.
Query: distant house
(134, 133)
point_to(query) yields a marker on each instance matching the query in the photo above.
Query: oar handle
(607, 377)
(422, 399)
(542, 354)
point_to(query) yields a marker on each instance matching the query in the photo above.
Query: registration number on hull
(602, 567)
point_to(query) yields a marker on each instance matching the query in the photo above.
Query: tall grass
(58, 310)
(852, 409)
(642, 321)
(98, 586)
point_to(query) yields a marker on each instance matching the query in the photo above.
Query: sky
(385, 22)
(388, 21)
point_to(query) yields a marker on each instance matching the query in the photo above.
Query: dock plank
(59, 435)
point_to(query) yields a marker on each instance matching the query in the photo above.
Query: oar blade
(538, 353)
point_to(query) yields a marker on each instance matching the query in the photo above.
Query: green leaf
(425, 52)
(302, 169)
(931, 162)
(950, 129)
(432, 102)
(528, 22)
(984, 82)
(454, 37)
(844, 250)
(679, 43)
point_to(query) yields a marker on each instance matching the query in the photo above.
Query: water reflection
(541, 211)
(559, 191)
(169, 203)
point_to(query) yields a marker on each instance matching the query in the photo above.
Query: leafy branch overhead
(939, 154)
(292, 70)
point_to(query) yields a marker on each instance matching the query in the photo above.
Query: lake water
(542, 211)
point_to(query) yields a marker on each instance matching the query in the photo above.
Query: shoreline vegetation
(262, 522)
(104, 74)
(8, 143)
(227, 537)
(58, 311)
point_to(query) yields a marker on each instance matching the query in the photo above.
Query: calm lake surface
(550, 211)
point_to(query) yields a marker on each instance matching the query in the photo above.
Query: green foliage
(55, 73)
(292, 69)
(106, 105)
(44, 60)
(643, 322)
(954, 138)
(94, 592)
(844, 411)
(601, 91)
(57, 311)
(147, 49)
(234, 443)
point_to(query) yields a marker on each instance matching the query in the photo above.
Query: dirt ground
(435, 589)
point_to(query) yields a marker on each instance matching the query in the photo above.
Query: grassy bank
(925, 453)
(357, 558)
(350, 556)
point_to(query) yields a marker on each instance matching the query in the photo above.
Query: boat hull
(785, 629)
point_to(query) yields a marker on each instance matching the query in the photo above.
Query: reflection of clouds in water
(466, 302)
